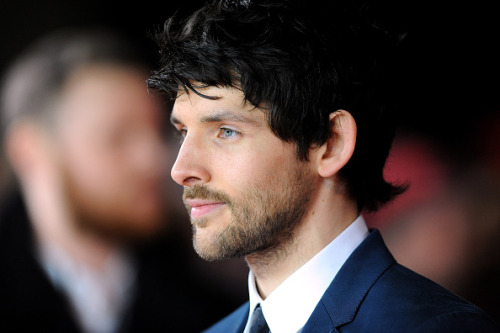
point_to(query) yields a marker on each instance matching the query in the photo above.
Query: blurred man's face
(111, 152)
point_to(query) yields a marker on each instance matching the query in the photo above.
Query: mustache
(203, 192)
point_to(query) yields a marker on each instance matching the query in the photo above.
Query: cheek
(259, 163)
(255, 173)
(273, 163)
(245, 171)
(95, 170)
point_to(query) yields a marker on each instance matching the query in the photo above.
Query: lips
(201, 207)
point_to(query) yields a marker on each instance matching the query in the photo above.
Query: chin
(205, 253)
(205, 244)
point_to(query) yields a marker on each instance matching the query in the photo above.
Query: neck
(54, 226)
(321, 224)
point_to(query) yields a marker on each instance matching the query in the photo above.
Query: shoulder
(459, 321)
(234, 322)
(402, 298)
(372, 292)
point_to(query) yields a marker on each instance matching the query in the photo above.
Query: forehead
(99, 105)
(107, 90)
(221, 95)
(212, 100)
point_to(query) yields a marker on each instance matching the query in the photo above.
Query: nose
(190, 168)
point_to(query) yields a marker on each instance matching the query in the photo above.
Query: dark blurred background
(24, 21)
(447, 144)
(450, 54)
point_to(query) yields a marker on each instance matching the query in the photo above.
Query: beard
(263, 219)
(109, 220)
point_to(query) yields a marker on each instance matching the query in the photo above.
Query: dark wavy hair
(301, 65)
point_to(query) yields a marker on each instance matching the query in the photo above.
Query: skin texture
(253, 206)
(248, 193)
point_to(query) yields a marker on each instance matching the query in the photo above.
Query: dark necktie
(258, 322)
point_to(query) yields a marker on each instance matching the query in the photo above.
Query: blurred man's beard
(262, 220)
(110, 222)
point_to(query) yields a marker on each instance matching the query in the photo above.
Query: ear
(22, 147)
(338, 149)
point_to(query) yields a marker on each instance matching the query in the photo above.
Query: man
(86, 245)
(284, 142)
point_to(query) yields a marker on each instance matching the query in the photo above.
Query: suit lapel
(239, 326)
(343, 297)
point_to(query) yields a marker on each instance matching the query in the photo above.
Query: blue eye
(227, 133)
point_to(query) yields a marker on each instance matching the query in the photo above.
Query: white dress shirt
(290, 305)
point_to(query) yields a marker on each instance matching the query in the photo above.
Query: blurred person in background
(85, 243)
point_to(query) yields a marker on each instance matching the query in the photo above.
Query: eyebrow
(221, 116)
(174, 120)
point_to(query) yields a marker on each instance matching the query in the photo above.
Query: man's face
(111, 153)
(245, 189)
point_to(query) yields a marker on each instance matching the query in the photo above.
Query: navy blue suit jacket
(373, 293)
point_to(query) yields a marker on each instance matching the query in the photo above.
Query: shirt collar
(290, 305)
(98, 297)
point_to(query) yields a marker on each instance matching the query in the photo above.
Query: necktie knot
(258, 323)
